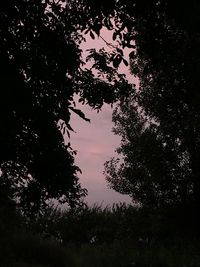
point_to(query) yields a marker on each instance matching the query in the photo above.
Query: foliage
(41, 70)
(111, 236)
(35, 93)
(162, 115)
(159, 124)
(120, 223)
(181, 253)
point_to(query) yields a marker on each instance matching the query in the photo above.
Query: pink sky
(95, 142)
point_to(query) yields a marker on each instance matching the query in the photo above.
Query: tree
(159, 124)
(41, 70)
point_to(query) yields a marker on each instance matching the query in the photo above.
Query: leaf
(108, 24)
(68, 145)
(79, 113)
(120, 51)
(62, 125)
(68, 134)
(114, 36)
(92, 35)
(96, 28)
(81, 100)
(125, 62)
(131, 46)
(132, 54)
(86, 31)
(116, 61)
(69, 127)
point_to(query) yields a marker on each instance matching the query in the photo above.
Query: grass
(120, 256)
(63, 240)
(32, 251)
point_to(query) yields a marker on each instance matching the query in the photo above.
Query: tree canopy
(159, 124)
(41, 71)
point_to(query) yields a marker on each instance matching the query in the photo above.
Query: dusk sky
(95, 142)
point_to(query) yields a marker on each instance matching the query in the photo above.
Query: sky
(95, 143)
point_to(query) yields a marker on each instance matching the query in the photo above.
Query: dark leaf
(69, 127)
(114, 36)
(92, 35)
(125, 62)
(116, 61)
(79, 113)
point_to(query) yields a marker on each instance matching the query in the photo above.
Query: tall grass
(102, 237)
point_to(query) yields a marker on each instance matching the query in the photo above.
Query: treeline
(86, 236)
(120, 222)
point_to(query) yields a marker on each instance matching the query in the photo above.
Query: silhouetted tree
(159, 124)
(41, 70)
